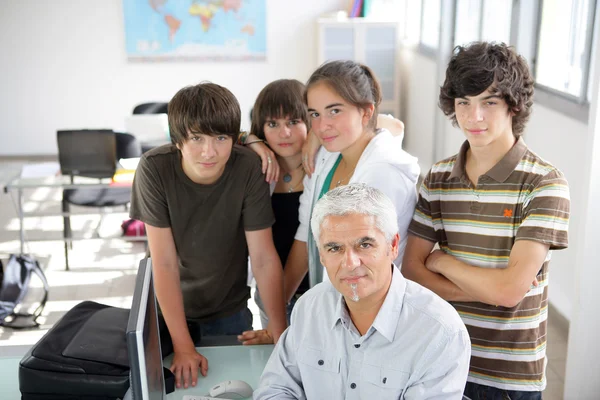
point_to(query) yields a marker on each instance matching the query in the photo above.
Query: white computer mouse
(231, 390)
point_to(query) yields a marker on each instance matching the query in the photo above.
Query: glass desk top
(224, 363)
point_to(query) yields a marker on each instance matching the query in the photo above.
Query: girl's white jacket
(383, 165)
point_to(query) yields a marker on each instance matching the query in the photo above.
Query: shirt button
(384, 380)
(321, 362)
(357, 345)
(353, 386)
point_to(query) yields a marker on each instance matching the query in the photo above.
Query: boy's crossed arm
(455, 280)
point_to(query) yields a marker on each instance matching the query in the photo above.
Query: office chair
(94, 154)
(127, 146)
(151, 108)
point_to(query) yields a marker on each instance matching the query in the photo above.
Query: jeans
(233, 324)
(474, 391)
(264, 320)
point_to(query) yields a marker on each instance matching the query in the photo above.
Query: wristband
(242, 137)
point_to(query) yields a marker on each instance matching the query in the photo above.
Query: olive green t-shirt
(208, 223)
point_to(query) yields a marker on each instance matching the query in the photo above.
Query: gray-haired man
(368, 333)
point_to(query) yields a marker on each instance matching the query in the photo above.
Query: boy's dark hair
(479, 65)
(204, 108)
(356, 83)
(279, 99)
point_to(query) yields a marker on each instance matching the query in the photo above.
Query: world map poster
(196, 30)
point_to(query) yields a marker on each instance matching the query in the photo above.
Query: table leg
(21, 217)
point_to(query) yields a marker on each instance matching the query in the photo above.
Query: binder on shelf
(356, 9)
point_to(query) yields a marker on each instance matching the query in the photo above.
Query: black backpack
(15, 278)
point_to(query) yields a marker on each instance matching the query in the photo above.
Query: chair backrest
(151, 108)
(127, 146)
(87, 152)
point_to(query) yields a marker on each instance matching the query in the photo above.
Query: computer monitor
(143, 340)
(87, 152)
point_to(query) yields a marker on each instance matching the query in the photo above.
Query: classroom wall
(553, 135)
(420, 107)
(64, 66)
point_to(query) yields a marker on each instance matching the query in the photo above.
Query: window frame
(424, 49)
(577, 107)
(525, 36)
(479, 20)
(480, 28)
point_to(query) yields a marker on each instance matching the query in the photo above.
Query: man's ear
(395, 245)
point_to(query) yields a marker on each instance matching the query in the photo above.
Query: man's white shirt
(416, 348)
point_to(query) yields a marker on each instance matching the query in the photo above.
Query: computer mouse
(231, 390)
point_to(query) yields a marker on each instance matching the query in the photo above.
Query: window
(564, 46)
(430, 24)
(468, 21)
(412, 21)
(496, 21)
(487, 20)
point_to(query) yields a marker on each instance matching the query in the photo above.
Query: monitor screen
(143, 341)
(87, 152)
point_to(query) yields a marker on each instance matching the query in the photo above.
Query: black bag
(15, 284)
(82, 357)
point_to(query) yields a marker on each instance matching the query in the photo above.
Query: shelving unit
(371, 42)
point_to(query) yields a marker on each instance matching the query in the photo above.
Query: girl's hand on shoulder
(309, 152)
(270, 166)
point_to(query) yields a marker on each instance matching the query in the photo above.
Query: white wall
(559, 139)
(583, 356)
(552, 135)
(420, 107)
(64, 66)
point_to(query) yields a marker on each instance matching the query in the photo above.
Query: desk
(244, 363)
(224, 363)
(19, 185)
(9, 378)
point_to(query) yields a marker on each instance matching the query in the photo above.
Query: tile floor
(104, 271)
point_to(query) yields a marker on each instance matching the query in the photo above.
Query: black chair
(127, 146)
(94, 154)
(151, 108)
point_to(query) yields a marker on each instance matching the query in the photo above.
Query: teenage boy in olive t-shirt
(206, 205)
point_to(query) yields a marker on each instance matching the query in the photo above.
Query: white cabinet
(369, 42)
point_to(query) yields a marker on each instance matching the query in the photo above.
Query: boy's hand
(433, 261)
(185, 367)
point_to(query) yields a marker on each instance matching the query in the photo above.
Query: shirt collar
(502, 170)
(499, 172)
(458, 170)
(386, 320)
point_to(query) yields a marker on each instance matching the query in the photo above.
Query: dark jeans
(474, 391)
(233, 324)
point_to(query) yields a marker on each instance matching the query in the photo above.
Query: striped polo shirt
(521, 197)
